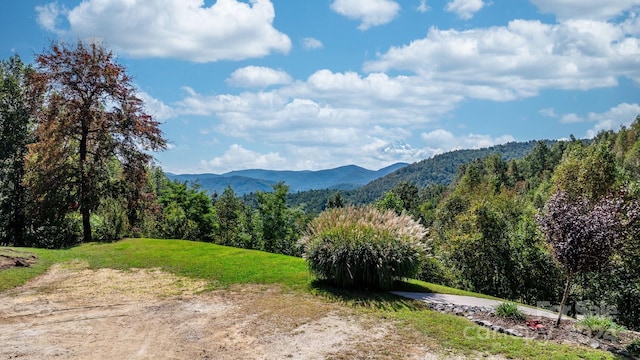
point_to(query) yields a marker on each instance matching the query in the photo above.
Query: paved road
(470, 301)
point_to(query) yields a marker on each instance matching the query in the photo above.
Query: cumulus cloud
(518, 60)
(239, 158)
(441, 140)
(49, 15)
(620, 115)
(368, 120)
(183, 29)
(156, 108)
(369, 12)
(423, 7)
(325, 100)
(310, 43)
(586, 9)
(375, 118)
(258, 77)
(548, 112)
(465, 9)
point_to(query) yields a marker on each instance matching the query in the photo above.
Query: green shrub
(598, 326)
(55, 234)
(364, 247)
(109, 222)
(509, 310)
(634, 347)
(435, 271)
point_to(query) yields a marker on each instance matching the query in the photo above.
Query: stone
(513, 332)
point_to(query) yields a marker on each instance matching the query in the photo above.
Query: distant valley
(357, 184)
(248, 181)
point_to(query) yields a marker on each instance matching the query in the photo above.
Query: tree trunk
(564, 297)
(86, 224)
(84, 186)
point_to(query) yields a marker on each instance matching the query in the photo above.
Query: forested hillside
(438, 170)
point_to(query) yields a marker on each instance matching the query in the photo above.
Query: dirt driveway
(72, 312)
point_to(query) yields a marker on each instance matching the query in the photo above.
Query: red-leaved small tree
(583, 234)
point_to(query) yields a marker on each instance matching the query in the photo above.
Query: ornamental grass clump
(510, 310)
(598, 326)
(363, 247)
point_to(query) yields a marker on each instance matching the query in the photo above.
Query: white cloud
(423, 7)
(586, 9)
(465, 9)
(369, 12)
(310, 43)
(374, 119)
(49, 14)
(620, 115)
(325, 100)
(156, 108)
(548, 112)
(183, 29)
(345, 116)
(570, 118)
(258, 77)
(519, 60)
(368, 120)
(442, 141)
(239, 158)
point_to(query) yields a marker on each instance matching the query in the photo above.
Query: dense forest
(74, 169)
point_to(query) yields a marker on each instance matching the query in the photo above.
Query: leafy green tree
(109, 222)
(187, 212)
(229, 210)
(90, 115)
(280, 225)
(432, 196)
(15, 132)
(484, 237)
(250, 235)
(590, 172)
(497, 170)
(335, 201)
(176, 225)
(409, 193)
(390, 201)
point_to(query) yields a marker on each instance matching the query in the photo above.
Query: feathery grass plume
(364, 247)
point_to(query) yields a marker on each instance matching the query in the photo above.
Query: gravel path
(469, 301)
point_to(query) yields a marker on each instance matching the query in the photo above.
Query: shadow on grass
(371, 299)
(412, 287)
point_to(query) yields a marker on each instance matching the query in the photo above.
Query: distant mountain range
(358, 185)
(247, 181)
(440, 169)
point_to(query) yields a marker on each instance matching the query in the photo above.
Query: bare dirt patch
(72, 312)
(11, 258)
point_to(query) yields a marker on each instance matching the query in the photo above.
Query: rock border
(470, 311)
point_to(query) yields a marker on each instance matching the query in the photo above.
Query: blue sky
(315, 84)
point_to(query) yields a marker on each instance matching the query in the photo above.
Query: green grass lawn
(225, 266)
